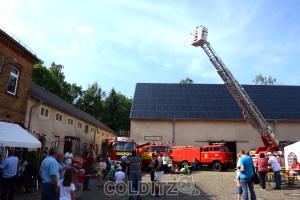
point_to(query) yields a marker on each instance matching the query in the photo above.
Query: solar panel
(212, 101)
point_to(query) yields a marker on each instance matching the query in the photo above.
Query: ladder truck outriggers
(250, 111)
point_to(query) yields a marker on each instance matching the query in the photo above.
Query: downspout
(37, 104)
(40, 149)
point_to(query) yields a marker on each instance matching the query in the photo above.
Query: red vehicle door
(205, 155)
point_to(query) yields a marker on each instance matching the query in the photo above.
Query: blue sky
(119, 43)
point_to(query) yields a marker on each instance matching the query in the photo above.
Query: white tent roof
(13, 135)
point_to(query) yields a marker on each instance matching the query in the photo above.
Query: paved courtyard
(206, 185)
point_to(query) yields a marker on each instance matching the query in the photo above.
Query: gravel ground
(206, 185)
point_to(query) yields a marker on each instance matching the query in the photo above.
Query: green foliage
(261, 80)
(91, 101)
(112, 104)
(186, 81)
(113, 110)
(42, 76)
(53, 80)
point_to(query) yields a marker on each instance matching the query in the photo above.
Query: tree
(53, 80)
(125, 108)
(261, 80)
(113, 108)
(42, 76)
(186, 81)
(91, 101)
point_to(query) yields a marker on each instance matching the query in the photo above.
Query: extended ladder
(250, 111)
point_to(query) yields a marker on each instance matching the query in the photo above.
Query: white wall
(198, 133)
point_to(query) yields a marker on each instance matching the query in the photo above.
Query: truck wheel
(217, 166)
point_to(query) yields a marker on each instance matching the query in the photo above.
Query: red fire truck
(116, 147)
(146, 150)
(216, 156)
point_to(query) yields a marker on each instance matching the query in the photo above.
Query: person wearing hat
(273, 162)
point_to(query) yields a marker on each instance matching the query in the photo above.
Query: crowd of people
(65, 177)
(245, 172)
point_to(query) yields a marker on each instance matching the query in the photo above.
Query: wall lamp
(11, 61)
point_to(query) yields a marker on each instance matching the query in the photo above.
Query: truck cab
(146, 150)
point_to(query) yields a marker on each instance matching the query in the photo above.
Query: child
(80, 179)
(101, 166)
(239, 189)
(67, 188)
(119, 175)
(176, 169)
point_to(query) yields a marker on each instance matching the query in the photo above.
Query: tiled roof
(212, 102)
(51, 99)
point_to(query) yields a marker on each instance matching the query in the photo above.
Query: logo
(184, 184)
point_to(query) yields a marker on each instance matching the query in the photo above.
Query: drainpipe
(35, 105)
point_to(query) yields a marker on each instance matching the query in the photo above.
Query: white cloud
(124, 42)
(84, 29)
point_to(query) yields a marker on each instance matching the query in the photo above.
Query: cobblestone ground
(206, 185)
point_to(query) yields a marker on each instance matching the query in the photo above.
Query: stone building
(16, 62)
(59, 124)
(199, 114)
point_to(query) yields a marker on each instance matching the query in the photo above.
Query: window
(216, 149)
(44, 112)
(205, 149)
(13, 81)
(79, 125)
(86, 128)
(92, 129)
(55, 141)
(102, 133)
(70, 121)
(58, 117)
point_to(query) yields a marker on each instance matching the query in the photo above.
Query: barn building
(200, 114)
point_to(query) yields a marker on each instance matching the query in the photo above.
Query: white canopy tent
(13, 135)
(290, 152)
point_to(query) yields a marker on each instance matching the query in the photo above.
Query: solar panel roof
(212, 101)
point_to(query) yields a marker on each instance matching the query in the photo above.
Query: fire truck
(216, 156)
(114, 148)
(251, 113)
(146, 150)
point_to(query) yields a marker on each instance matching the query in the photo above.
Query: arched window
(13, 81)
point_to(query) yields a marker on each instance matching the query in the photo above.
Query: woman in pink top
(262, 169)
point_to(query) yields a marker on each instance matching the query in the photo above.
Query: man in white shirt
(276, 169)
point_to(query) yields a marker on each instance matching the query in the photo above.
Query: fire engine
(216, 156)
(146, 150)
(251, 113)
(115, 147)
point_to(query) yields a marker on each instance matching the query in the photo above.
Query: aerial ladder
(251, 114)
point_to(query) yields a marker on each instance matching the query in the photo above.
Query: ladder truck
(250, 111)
